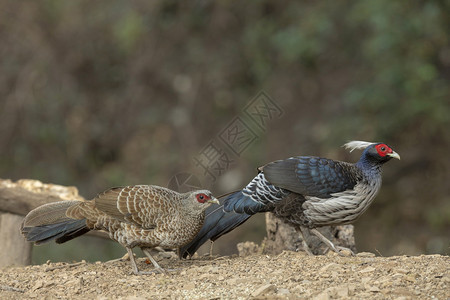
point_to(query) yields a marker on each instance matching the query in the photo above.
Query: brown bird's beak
(394, 155)
(213, 200)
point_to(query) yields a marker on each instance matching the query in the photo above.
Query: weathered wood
(20, 201)
(24, 195)
(281, 236)
(16, 200)
(15, 249)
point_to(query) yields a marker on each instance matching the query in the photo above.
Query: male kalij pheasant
(304, 191)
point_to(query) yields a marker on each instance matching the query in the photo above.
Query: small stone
(366, 280)
(351, 288)
(367, 270)
(193, 270)
(373, 289)
(365, 254)
(37, 285)
(263, 290)
(189, 286)
(168, 254)
(204, 277)
(322, 296)
(334, 274)
(247, 248)
(332, 266)
(232, 281)
(283, 292)
(342, 291)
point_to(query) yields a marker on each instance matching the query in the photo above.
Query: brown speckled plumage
(143, 216)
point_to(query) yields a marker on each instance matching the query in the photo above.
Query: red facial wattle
(383, 149)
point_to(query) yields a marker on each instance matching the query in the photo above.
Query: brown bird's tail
(49, 222)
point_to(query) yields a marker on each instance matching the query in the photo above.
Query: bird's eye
(382, 149)
(201, 198)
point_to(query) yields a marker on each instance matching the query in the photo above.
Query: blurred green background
(97, 94)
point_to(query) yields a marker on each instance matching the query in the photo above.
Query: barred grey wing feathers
(143, 216)
(258, 196)
(262, 191)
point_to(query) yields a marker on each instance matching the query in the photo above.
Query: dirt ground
(289, 275)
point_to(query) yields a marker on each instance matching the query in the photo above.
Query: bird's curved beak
(213, 200)
(394, 155)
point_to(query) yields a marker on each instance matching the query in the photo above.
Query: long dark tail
(49, 222)
(219, 222)
(242, 204)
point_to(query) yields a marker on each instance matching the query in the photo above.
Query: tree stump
(282, 236)
(15, 249)
(16, 200)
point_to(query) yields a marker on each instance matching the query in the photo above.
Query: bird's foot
(123, 258)
(341, 251)
(306, 248)
(345, 251)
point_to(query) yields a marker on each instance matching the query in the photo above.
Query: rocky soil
(289, 275)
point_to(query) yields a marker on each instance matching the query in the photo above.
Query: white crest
(357, 145)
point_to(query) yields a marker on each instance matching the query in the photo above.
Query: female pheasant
(304, 191)
(145, 216)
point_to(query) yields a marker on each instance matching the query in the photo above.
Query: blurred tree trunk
(281, 236)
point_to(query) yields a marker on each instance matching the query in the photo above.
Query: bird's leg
(329, 243)
(211, 248)
(304, 233)
(132, 261)
(154, 262)
(134, 265)
(346, 249)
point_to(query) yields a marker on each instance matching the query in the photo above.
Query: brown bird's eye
(201, 197)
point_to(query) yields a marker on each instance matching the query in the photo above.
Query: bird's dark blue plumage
(312, 176)
(305, 191)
